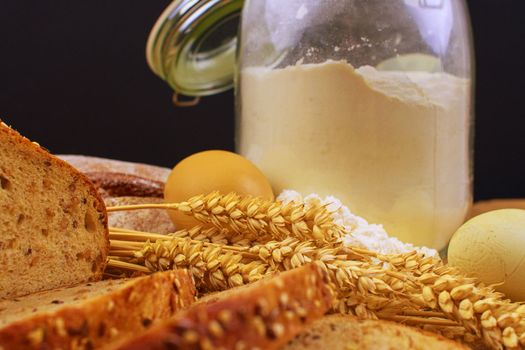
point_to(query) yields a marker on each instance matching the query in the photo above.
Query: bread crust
(113, 184)
(88, 164)
(263, 315)
(101, 320)
(19, 141)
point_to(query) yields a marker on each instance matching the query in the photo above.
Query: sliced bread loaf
(53, 224)
(343, 332)
(262, 315)
(95, 314)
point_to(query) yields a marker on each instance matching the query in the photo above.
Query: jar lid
(192, 46)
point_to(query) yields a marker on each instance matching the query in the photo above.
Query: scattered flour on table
(359, 232)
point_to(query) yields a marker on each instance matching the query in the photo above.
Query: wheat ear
(254, 218)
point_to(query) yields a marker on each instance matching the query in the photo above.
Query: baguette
(343, 332)
(95, 314)
(53, 223)
(262, 315)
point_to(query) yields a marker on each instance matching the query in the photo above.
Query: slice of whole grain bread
(262, 315)
(342, 332)
(93, 315)
(53, 223)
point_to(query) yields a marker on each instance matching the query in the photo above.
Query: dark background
(74, 78)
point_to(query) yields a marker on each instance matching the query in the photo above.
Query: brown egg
(209, 171)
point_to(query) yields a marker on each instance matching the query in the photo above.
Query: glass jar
(369, 101)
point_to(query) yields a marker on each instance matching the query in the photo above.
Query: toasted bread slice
(53, 224)
(344, 332)
(94, 314)
(262, 315)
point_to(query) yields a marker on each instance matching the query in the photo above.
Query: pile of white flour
(359, 232)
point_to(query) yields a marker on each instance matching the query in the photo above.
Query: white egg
(491, 247)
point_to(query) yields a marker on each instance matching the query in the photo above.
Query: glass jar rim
(192, 46)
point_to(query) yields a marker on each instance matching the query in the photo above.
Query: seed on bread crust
(206, 344)
(190, 337)
(262, 308)
(215, 329)
(36, 337)
(275, 331)
(259, 325)
(60, 327)
(113, 332)
(225, 316)
(284, 299)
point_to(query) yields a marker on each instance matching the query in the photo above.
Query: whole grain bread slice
(53, 224)
(262, 315)
(343, 332)
(93, 315)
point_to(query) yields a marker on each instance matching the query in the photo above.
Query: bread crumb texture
(53, 224)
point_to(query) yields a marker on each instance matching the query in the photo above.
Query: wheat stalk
(198, 233)
(405, 287)
(254, 218)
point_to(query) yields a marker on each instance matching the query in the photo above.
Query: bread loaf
(262, 315)
(122, 183)
(88, 164)
(118, 184)
(343, 332)
(53, 224)
(93, 315)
